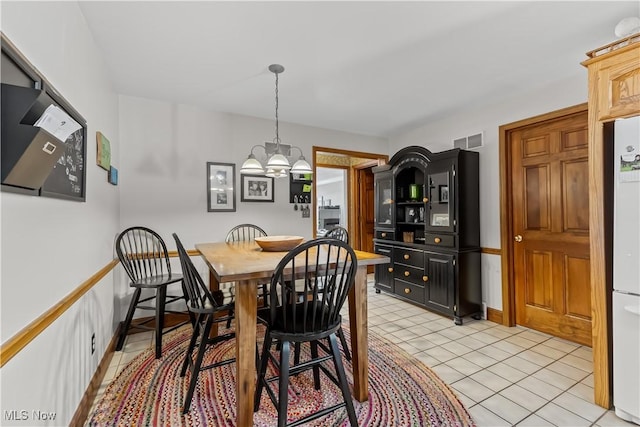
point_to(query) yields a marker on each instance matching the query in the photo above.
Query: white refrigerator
(626, 270)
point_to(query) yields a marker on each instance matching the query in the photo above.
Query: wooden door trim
(359, 154)
(368, 164)
(354, 188)
(506, 205)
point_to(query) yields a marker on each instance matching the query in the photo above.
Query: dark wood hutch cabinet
(427, 223)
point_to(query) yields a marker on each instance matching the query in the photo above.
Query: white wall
(164, 151)
(51, 246)
(165, 148)
(439, 134)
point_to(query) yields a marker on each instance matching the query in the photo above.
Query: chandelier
(276, 154)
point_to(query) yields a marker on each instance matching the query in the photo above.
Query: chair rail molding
(20, 340)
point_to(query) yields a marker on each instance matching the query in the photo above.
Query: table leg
(246, 318)
(359, 335)
(214, 285)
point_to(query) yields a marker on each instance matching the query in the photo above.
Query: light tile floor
(504, 376)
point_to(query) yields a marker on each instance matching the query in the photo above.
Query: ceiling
(373, 68)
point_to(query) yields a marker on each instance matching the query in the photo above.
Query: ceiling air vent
(468, 142)
(474, 141)
(460, 143)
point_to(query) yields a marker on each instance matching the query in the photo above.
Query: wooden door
(366, 213)
(551, 227)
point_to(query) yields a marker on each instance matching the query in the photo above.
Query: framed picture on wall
(441, 220)
(103, 151)
(256, 188)
(112, 176)
(221, 182)
(443, 193)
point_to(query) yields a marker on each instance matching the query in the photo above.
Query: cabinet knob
(437, 240)
(425, 278)
(406, 256)
(390, 269)
(425, 199)
(407, 290)
(407, 274)
(383, 234)
(391, 201)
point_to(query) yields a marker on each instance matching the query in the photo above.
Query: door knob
(518, 238)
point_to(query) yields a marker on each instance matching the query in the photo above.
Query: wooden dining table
(246, 264)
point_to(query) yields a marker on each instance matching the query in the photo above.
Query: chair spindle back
(200, 298)
(142, 253)
(244, 232)
(339, 233)
(327, 267)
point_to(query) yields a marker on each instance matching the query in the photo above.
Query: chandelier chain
(277, 134)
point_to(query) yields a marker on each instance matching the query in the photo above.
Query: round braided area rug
(402, 391)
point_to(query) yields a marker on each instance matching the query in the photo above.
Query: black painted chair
(315, 318)
(143, 254)
(342, 234)
(339, 233)
(244, 233)
(208, 309)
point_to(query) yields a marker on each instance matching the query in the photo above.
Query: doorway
(332, 208)
(545, 224)
(351, 171)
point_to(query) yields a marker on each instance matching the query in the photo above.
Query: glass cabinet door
(384, 202)
(440, 204)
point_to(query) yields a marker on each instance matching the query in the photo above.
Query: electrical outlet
(93, 343)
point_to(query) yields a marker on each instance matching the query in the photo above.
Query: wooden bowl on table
(278, 243)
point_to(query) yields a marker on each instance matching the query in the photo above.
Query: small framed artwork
(440, 220)
(113, 176)
(443, 192)
(103, 151)
(221, 181)
(256, 188)
(411, 214)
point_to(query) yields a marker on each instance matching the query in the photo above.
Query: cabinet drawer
(385, 235)
(410, 291)
(383, 250)
(436, 239)
(408, 257)
(408, 273)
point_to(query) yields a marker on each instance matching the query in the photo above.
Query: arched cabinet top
(416, 156)
(421, 154)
